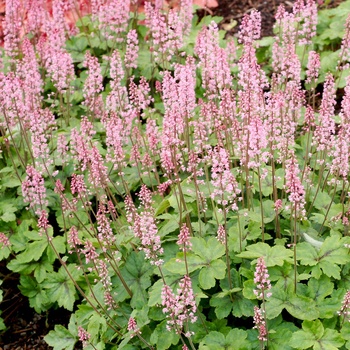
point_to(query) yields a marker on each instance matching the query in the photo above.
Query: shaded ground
(26, 329)
(233, 10)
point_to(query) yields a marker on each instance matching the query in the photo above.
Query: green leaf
(280, 338)
(331, 340)
(206, 257)
(30, 288)
(248, 289)
(208, 250)
(223, 306)
(60, 339)
(215, 270)
(163, 338)
(276, 303)
(273, 256)
(33, 252)
(242, 306)
(11, 182)
(41, 269)
(136, 273)
(236, 339)
(307, 254)
(8, 217)
(165, 204)
(299, 306)
(318, 290)
(313, 334)
(331, 253)
(60, 288)
(213, 341)
(97, 325)
(59, 243)
(302, 340)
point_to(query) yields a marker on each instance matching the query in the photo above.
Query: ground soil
(26, 328)
(232, 12)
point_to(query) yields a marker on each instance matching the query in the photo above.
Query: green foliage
(314, 335)
(127, 250)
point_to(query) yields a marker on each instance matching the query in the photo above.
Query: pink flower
(226, 189)
(140, 94)
(313, 67)
(221, 234)
(166, 31)
(113, 18)
(345, 46)
(278, 205)
(261, 279)
(34, 191)
(144, 226)
(250, 28)
(306, 17)
(132, 48)
(105, 233)
(340, 156)
(4, 240)
(260, 324)
(132, 327)
(184, 238)
(73, 239)
(325, 128)
(93, 86)
(43, 222)
(78, 184)
(295, 188)
(253, 143)
(56, 59)
(84, 336)
(181, 308)
(12, 27)
(90, 253)
(213, 61)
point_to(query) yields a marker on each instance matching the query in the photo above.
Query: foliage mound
(174, 189)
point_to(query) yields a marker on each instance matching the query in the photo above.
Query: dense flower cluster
(260, 324)
(180, 307)
(144, 226)
(34, 191)
(261, 279)
(201, 140)
(295, 188)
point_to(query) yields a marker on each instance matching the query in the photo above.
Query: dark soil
(25, 328)
(232, 12)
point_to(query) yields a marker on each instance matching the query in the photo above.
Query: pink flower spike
(132, 49)
(250, 28)
(34, 191)
(84, 336)
(132, 327)
(184, 238)
(260, 324)
(261, 279)
(4, 240)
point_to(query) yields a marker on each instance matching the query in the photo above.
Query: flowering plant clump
(174, 189)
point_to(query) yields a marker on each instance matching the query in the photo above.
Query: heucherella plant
(167, 187)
